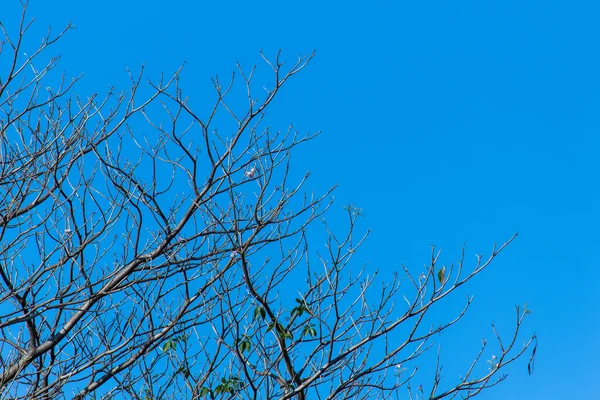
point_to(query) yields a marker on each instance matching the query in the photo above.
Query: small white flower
(250, 172)
(68, 230)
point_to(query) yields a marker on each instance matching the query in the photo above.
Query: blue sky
(448, 122)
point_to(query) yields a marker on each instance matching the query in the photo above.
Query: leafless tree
(146, 254)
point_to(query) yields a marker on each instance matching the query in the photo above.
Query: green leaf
(297, 311)
(287, 335)
(244, 344)
(301, 308)
(183, 370)
(259, 312)
(309, 330)
(441, 274)
(230, 386)
(170, 345)
(281, 331)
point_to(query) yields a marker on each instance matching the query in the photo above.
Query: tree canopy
(151, 250)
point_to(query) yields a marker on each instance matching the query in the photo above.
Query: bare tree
(145, 254)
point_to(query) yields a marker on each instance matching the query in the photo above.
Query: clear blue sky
(446, 121)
